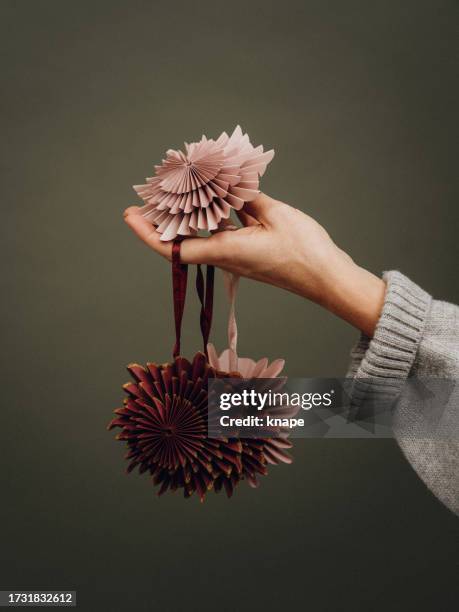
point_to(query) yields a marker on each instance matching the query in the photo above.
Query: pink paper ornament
(194, 190)
(275, 449)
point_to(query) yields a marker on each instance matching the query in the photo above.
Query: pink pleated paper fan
(275, 449)
(195, 189)
(229, 361)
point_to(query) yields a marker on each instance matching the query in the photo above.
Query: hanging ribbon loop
(205, 291)
(179, 282)
(231, 285)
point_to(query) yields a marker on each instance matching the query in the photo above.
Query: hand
(282, 246)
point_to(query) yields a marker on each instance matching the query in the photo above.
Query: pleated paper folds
(195, 189)
(164, 422)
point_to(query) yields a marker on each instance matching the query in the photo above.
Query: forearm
(282, 246)
(355, 295)
(345, 289)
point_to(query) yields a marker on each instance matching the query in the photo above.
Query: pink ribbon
(231, 282)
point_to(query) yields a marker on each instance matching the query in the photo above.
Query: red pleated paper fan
(164, 423)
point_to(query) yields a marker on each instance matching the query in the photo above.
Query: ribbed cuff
(385, 361)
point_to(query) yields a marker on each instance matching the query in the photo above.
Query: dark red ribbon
(205, 292)
(206, 297)
(179, 282)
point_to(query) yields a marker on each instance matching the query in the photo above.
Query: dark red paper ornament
(164, 417)
(164, 424)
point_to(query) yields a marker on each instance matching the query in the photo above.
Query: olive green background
(360, 101)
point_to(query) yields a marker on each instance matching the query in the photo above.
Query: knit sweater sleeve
(416, 336)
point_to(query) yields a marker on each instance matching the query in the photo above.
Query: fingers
(226, 224)
(262, 209)
(198, 250)
(146, 231)
(212, 250)
(245, 218)
(193, 250)
(132, 210)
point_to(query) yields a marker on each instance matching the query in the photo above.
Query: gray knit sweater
(416, 336)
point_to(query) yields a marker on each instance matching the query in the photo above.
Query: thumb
(262, 208)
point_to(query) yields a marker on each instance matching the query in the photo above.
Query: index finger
(193, 250)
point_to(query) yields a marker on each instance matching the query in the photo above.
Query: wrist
(352, 293)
